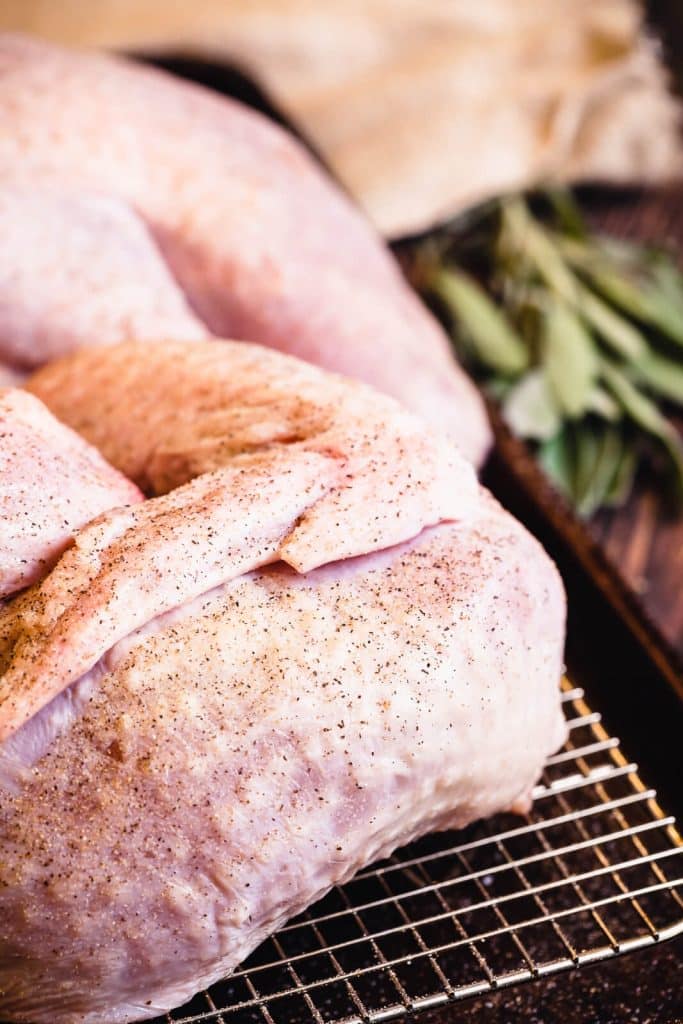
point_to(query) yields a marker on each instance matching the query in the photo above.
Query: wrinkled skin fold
(51, 484)
(336, 474)
(318, 639)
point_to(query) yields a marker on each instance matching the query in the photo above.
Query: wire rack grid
(592, 871)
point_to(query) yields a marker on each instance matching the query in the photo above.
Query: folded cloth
(424, 107)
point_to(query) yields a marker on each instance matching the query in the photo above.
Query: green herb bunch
(578, 337)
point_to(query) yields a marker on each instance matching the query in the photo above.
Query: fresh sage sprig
(578, 337)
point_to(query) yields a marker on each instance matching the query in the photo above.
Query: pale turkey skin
(101, 276)
(259, 457)
(52, 482)
(203, 774)
(240, 231)
(164, 412)
(227, 763)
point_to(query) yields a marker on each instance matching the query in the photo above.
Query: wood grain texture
(644, 539)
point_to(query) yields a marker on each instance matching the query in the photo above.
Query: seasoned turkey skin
(163, 412)
(51, 483)
(227, 218)
(276, 460)
(196, 744)
(226, 764)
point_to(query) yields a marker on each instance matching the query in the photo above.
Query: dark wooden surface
(644, 540)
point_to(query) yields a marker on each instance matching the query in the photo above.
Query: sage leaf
(529, 243)
(645, 413)
(556, 457)
(580, 253)
(569, 359)
(641, 299)
(621, 289)
(661, 375)
(669, 282)
(530, 408)
(653, 295)
(598, 458)
(603, 405)
(586, 454)
(625, 339)
(621, 251)
(494, 340)
(663, 314)
(622, 483)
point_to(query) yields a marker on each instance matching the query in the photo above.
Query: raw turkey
(101, 276)
(164, 412)
(51, 483)
(278, 461)
(241, 231)
(215, 757)
(222, 767)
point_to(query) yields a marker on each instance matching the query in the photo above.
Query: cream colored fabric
(423, 107)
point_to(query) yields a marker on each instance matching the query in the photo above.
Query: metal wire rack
(592, 871)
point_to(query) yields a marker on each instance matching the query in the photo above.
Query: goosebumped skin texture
(51, 483)
(313, 468)
(223, 766)
(130, 565)
(263, 245)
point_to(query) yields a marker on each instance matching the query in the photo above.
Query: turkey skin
(318, 639)
(253, 457)
(151, 208)
(224, 765)
(52, 482)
